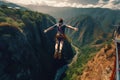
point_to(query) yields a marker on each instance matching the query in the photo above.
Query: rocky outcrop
(101, 66)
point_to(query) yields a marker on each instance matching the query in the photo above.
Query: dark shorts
(60, 37)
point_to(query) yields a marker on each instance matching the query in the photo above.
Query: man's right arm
(50, 28)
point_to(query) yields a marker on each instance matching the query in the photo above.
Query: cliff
(101, 66)
(26, 53)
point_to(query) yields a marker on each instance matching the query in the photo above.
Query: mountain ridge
(68, 12)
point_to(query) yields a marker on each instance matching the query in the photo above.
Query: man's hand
(76, 29)
(45, 31)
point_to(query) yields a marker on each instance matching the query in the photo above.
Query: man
(60, 36)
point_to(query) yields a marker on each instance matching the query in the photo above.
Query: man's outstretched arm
(73, 28)
(50, 28)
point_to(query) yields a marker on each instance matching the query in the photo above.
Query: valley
(26, 52)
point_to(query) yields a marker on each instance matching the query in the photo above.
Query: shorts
(60, 37)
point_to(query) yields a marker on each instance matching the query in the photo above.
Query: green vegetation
(94, 30)
(22, 18)
(31, 51)
(25, 51)
(86, 53)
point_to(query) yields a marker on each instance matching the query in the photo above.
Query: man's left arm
(73, 28)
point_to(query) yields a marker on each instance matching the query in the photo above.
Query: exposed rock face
(19, 60)
(101, 66)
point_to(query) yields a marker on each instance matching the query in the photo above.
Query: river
(65, 67)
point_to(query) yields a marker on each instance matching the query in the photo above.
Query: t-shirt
(60, 28)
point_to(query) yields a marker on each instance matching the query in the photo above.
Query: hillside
(89, 30)
(92, 64)
(101, 66)
(26, 52)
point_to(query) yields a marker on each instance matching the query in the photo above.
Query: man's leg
(56, 46)
(61, 46)
(56, 49)
(60, 49)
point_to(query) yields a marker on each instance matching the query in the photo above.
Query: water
(65, 67)
(60, 72)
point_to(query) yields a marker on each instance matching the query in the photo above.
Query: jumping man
(60, 36)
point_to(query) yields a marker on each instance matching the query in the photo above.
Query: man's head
(60, 21)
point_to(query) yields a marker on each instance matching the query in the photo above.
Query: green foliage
(86, 54)
(2, 19)
(28, 48)
(23, 18)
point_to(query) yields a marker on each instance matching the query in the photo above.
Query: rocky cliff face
(26, 53)
(20, 60)
(101, 66)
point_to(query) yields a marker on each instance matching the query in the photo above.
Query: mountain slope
(89, 30)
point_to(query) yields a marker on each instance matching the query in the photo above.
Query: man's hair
(60, 20)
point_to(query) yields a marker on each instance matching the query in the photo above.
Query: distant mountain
(68, 12)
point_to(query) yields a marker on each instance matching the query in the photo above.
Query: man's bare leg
(56, 49)
(60, 49)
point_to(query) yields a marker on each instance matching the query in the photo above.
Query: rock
(101, 67)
